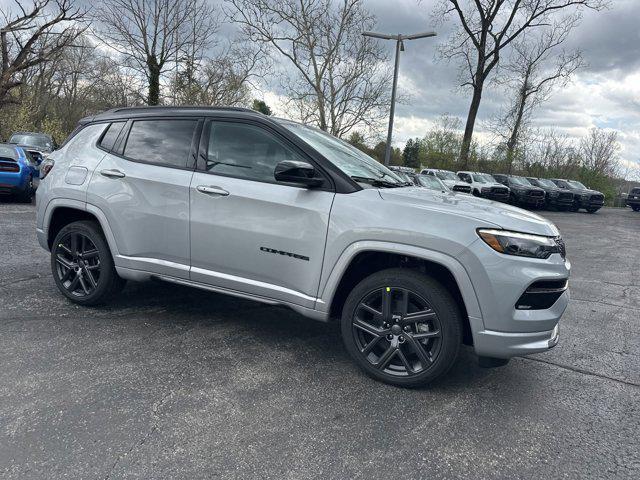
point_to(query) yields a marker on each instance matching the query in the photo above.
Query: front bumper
(633, 202)
(588, 203)
(507, 344)
(504, 328)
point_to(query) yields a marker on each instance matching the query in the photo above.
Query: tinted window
(8, 151)
(110, 136)
(165, 142)
(245, 151)
(32, 140)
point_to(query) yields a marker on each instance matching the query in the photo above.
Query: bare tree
(535, 68)
(599, 152)
(33, 34)
(339, 82)
(486, 28)
(224, 79)
(149, 34)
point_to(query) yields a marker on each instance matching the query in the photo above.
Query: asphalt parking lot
(169, 382)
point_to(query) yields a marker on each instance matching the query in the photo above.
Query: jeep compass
(233, 201)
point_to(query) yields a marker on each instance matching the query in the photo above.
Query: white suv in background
(485, 186)
(449, 178)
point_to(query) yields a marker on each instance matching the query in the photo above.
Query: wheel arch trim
(57, 203)
(456, 269)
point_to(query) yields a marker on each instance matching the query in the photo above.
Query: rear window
(163, 142)
(8, 151)
(111, 135)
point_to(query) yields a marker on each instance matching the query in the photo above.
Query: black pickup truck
(583, 197)
(522, 192)
(633, 199)
(556, 197)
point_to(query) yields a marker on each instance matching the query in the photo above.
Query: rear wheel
(82, 264)
(27, 195)
(402, 327)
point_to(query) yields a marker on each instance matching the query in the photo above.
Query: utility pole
(399, 48)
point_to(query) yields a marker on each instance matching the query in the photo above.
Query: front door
(250, 233)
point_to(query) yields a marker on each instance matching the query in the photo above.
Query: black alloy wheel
(82, 264)
(402, 327)
(397, 331)
(77, 264)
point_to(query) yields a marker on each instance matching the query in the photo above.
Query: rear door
(250, 233)
(142, 187)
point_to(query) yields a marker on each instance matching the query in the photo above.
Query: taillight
(45, 167)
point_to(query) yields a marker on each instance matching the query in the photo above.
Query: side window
(245, 151)
(465, 177)
(165, 142)
(110, 135)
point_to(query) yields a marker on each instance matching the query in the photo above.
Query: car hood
(491, 185)
(495, 213)
(586, 191)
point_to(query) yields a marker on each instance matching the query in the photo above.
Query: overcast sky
(606, 93)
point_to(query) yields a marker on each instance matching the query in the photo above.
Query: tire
(438, 336)
(574, 208)
(475, 193)
(592, 210)
(636, 209)
(27, 195)
(82, 265)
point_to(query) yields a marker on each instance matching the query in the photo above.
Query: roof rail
(177, 107)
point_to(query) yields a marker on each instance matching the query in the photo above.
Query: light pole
(399, 48)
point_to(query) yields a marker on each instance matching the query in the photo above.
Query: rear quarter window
(110, 135)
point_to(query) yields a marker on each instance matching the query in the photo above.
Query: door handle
(112, 173)
(211, 190)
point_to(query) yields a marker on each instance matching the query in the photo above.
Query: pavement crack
(582, 371)
(20, 280)
(608, 304)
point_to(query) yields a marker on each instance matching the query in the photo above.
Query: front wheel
(592, 210)
(636, 209)
(402, 327)
(82, 264)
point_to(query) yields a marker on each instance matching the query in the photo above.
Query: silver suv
(232, 201)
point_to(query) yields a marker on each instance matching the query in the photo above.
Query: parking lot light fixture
(399, 38)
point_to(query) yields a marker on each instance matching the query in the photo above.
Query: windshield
(480, 179)
(431, 182)
(521, 181)
(8, 151)
(349, 159)
(38, 141)
(546, 183)
(446, 175)
(576, 184)
(489, 178)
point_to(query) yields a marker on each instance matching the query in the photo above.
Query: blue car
(18, 174)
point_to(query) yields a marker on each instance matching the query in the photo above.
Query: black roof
(196, 111)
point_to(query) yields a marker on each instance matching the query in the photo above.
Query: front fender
(450, 263)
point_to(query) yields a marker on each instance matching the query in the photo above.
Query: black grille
(499, 191)
(565, 195)
(536, 193)
(462, 188)
(542, 294)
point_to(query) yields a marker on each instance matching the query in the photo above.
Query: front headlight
(520, 244)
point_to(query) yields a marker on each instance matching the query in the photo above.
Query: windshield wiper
(376, 182)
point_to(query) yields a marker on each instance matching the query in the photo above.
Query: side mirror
(292, 171)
